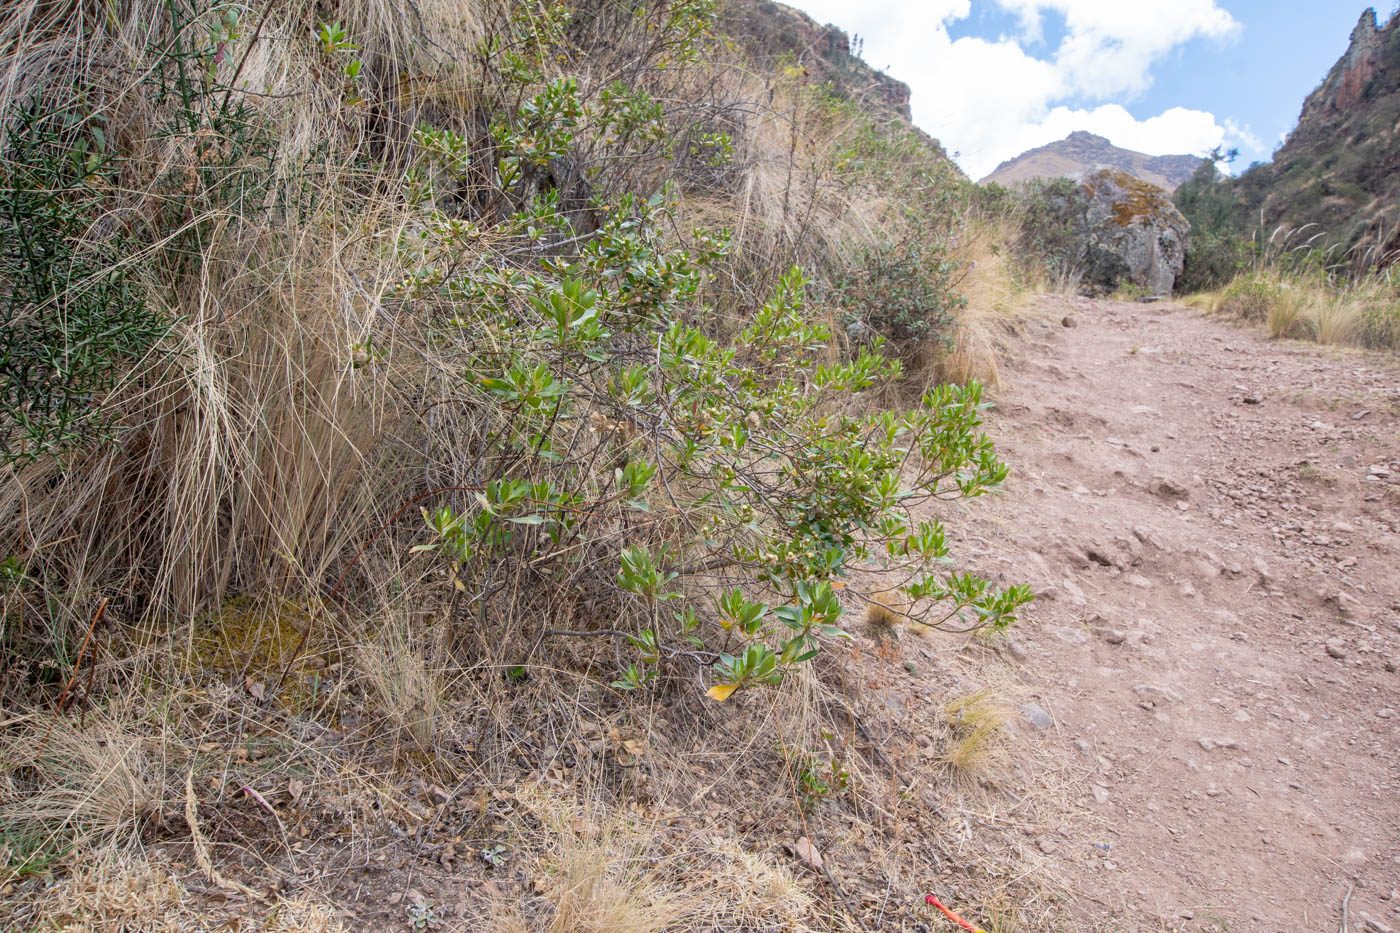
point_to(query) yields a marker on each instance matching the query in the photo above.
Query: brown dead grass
(977, 743)
(129, 894)
(97, 783)
(996, 301)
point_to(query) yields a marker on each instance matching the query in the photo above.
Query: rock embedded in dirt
(808, 854)
(1100, 553)
(1037, 716)
(1262, 569)
(1346, 605)
(1210, 744)
(1336, 648)
(1016, 649)
(1067, 321)
(1157, 694)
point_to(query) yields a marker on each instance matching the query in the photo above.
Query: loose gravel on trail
(1211, 520)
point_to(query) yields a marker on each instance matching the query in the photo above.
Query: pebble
(1212, 744)
(1016, 650)
(1262, 568)
(1156, 694)
(1037, 716)
(1336, 648)
(1068, 321)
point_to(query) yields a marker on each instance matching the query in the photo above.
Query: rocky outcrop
(1082, 152)
(770, 31)
(1133, 234)
(1345, 86)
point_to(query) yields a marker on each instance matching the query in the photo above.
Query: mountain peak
(1085, 138)
(1081, 152)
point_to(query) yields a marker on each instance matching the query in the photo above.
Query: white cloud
(989, 99)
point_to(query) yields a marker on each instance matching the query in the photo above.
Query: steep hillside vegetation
(1338, 172)
(1307, 243)
(465, 431)
(1081, 152)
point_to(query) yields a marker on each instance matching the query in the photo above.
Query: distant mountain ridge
(1081, 152)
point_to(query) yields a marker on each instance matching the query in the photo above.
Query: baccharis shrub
(625, 440)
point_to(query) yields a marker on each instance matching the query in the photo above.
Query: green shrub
(1380, 326)
(626, 442)
(73, 317)
(597, 406)
(1053, 214)
(903, 290)
(1218, 243)
(1251, 297)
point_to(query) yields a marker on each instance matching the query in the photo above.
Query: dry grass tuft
(596, 891)
(1335, 322)
(611, 873)
(884, 613)
(996, 296)
(1324, 306)
(1284, 317)
(131, 895)
(406, 680)
(99, 783)
(977, 742)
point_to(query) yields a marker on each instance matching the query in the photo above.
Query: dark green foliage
(1053, 219)
(904, 290)
(1218, 238)
(73, 319)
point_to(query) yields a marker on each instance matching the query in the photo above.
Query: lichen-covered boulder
(1133, 234)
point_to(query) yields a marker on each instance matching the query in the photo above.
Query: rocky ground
(1212, 522)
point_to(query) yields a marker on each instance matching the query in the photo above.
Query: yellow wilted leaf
(721, 692)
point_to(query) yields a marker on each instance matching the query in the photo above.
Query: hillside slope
(1340, 167)
(1080, 152)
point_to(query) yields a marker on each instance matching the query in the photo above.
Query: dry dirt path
(1212, 522)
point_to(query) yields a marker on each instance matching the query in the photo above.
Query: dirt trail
(1212, 522)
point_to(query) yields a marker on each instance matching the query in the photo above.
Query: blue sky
(992, 78)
